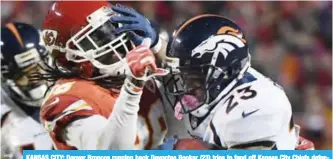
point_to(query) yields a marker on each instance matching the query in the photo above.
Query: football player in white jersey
(21, 53)
(220, 98)
(227, 102)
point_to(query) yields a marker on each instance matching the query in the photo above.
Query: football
(190, 144)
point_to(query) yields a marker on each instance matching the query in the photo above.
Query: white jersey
(256, 111)
(20, 131)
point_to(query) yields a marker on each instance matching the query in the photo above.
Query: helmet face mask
(194, 87)
(212, 56)
(98, 44)
(29, 92)
(90, 40)
(22, 55)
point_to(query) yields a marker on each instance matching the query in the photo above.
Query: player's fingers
(123, 10)
(148, 60)
(137, 39)
(123, 19)
(127, 28)
(136, 54)
(305, 144)
(305, 147)
(161, 72)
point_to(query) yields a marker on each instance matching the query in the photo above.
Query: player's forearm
(122, 121)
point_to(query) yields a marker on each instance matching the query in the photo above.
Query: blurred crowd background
(291, 42)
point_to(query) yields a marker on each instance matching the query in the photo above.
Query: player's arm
(140, 29)
(142, 66)
(73, 123)
(121, 129)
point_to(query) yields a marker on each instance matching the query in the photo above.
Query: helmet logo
(231, 31)
(223, 44)
(49, 37)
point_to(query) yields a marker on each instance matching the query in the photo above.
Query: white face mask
(36, 95)
(38, 92)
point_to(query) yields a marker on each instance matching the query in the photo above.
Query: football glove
(142, 65)
(304, 144)
(136, 24)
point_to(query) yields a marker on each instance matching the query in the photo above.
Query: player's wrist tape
(133, 86)
(157, 46)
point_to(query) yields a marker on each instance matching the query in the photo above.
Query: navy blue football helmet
(206, 56)
(22, 52)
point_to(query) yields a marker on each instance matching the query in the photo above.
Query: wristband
(133, 85)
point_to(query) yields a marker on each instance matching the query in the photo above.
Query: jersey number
(62, 88)
(58, 89)
(242, 94)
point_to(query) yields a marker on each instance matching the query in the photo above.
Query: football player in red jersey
(99, 100)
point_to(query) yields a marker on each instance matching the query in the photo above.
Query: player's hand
(304, 144)
(136, 24)
(142, 65)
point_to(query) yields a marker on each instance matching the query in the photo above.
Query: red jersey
(75, 99)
